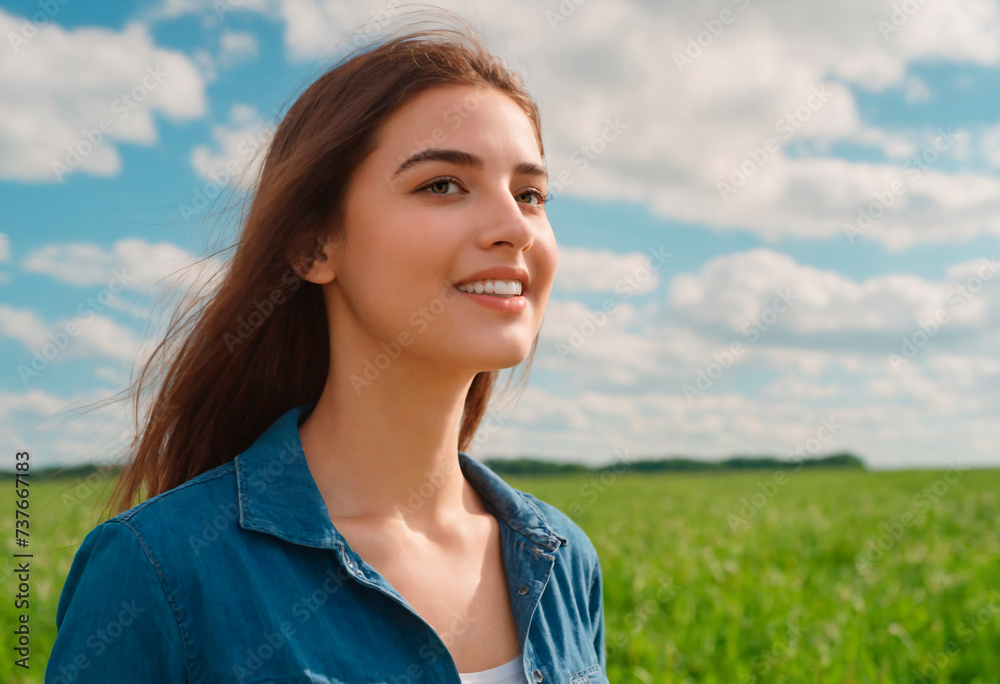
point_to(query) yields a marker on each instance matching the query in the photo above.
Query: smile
(497, 288)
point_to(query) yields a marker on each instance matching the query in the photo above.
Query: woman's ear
(320, 266)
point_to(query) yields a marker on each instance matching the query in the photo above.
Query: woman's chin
(500, 359)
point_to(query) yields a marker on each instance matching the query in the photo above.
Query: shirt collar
(277, 493)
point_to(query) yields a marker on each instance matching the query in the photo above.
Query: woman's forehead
(458, 117)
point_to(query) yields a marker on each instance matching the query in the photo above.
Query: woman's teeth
(497, 288)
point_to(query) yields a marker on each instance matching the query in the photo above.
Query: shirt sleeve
(597, 614)
(115, 622)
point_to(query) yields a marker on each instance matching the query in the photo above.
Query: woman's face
(417, 228)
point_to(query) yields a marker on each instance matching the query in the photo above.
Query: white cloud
(681, 132)
(236, 47)
(107, 373)
(68, 98)
(984, 268)
(990, 145)
(894, 145)
(594, 62)
(595, 346)
(86, 334)
(22, 325)
(58, 433)
(130, 262)
(916, 90)
(34, 401)
(213, 12)
(795, 387)
(239, 151)
(762, 289)
(206, 63)
(4, 248)
(589, 426)
(582, 269)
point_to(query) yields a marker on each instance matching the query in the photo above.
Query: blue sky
(898, 128)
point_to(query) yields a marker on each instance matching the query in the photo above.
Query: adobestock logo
(758, 157)
(47, 10)
(875, 548)
(706, 377)
(868, 216)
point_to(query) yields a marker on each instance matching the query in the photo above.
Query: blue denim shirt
(238, 575)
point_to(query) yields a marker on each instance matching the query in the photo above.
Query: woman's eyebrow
(465, 159)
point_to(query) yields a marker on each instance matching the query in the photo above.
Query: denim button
(523, 590)
(537, 676)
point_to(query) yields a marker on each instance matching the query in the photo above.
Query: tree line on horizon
(537, 466)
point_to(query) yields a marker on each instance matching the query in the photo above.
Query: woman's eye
(440, 186)
(538, 196)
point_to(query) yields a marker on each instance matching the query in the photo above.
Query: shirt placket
(531, 572)
(532, 567)
(370, 577)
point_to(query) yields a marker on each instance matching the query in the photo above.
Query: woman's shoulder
(178, 519)
(161, 532)
(135, 574)
(577, 539)
(203, 494)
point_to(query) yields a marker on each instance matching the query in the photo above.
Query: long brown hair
(233, 361)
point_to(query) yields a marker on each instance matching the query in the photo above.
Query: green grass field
(823, 576)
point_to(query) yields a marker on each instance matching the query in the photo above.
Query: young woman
(311, 519)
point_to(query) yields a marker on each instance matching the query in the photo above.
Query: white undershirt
(509, 673)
